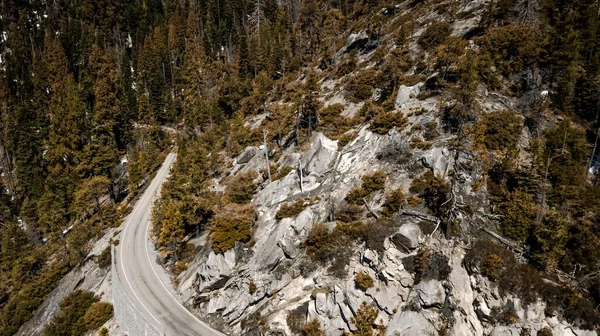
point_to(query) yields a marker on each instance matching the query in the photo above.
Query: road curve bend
(143, 279)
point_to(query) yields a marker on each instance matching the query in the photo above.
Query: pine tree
(145, 111)
(172, 229)
(64, 144)
(100, 155)
(89, 193)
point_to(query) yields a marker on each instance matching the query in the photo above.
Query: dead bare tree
(528, 12)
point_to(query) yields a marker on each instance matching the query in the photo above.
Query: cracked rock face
(290, 289)
(287, 295)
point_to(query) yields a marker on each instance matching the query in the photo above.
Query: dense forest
(87, 86)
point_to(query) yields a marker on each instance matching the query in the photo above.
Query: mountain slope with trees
(90, 89)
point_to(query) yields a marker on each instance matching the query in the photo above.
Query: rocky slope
(286, 289)
(272, 286)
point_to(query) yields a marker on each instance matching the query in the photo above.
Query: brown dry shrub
(240, 188)
(383, 122)
(290, 209)
(363, 281)
(230, 225)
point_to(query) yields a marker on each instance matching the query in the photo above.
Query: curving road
(145, 281)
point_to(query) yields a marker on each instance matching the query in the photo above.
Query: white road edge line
(121, 250)
(165, 287)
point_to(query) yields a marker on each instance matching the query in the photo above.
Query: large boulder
(408, 237)
(320, 156)
(247, 155)
(406, 93)
(437, 160)
(431, 293)
(216, 267)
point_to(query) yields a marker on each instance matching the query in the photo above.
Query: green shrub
(547, 331)
(384, 122)
(313, 328)
(240, 189)
(427, 265)
(374, 181)
(98, 314)
(178, 268)
(331, 121)
(104, 258)
(394, 201)
(370, 183)
(519, 214)
(332, 248)
(434, 191)
(492, 266)
(363, 281)
(510, 48)
(231, 225)
(296, 319)
(365, 321)
(290, 210)
(283, 172)
(435, 35)
(103, 332)
(418, 143)
(502, 130)
(346, 138)
(350, 213)
(70, 320)
(355, 195)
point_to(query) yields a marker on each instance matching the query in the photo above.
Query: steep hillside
(427, 177)
(431, 164)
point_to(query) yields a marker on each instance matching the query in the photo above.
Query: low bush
(502, 130)
(240, 188)
(290, 209)
(350, 213)
(435, 35)
(104, 258)
(363, 281)
(374, 181)
(394, 202)
(346, 138)
(433, 190)
(98, 314)
(283, 172)
(332, 248)
(427, 265)
(296, 318)
(370, 183)
(356, 195)
(384, 122)
(376, 232)
(418, 143)
(70, 320)
(313, 328)
(251, 287)
(178, 268)
(231, 225)
(365, 321)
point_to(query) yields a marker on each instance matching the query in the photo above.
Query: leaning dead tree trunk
(300, 175)
(528, 12)
(503, 240)
(267, 154)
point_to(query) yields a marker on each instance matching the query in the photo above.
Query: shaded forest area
(84, 83)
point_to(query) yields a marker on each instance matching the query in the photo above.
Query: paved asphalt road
(145, 282)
